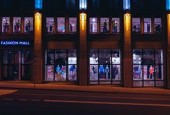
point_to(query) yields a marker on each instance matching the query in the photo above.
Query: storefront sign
(15, 43)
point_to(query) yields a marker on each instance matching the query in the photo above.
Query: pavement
(8, 85)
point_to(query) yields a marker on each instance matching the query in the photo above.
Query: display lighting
(38, 4)
(83, 4)
(126, 4)
(83, 20)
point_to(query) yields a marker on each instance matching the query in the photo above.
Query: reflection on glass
(93, 72)
(5, 24)
(50, 73)
(115, 25)
(16, 24)
(60, 72)
(136, 24)
(147, 25)
(50, 24)
(28, 24)
(72, 25)
(61, 25)
(157, 25)
(93, 25)
(104, 25)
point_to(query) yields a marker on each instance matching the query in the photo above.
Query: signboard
(24, 43)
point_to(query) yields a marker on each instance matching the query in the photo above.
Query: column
(127, 46)
(168, 50)
(38, 50)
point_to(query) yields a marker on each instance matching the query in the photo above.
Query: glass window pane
(115, 57)
(159, 72)
(72, 72)
(115, 72)
(61, 25)
(93, 72)
(50, 57)
(72, 25)
(5, 24)
(104, 25)
(148, 57)
(137, 72)
(93, 56)
(158, 56)
(104, 56)
(16, 24)
(28, 24)
(147, 25)
(49, 73)
(72, 56)
(93, 25)
(157, 25)
(136, 24)
(137, 56)
(50, 24)
(115, 25)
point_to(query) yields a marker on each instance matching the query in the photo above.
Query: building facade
(86, 42)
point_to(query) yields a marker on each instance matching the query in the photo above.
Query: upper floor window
(115, 25)
(50, 24)
(72, 25)
(157, 25)
(93, 25)
(5, 24)
(104, 25)
(28, 24)
(61, 25)
(147, 25)
(135, 24)
(17, 24)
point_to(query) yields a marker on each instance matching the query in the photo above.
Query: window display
(28, 24)
(157, 25)
(72, 25)
(115, 25)
(61, 25)
(17, 24)
(148, 66)
(104, 66)
(5, 24)
(50, 24)
(147, 25)
(135, 24)
(104, 25)
(61, 65)
(93, 25)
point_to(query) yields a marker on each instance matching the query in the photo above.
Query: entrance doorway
(16, 64)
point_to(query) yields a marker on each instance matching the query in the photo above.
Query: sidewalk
(95, 88)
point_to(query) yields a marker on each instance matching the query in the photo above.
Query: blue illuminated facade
(83, 4)
(38, 4)
(126, 4)
(168, 5)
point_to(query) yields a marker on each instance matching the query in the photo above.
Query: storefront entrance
(16, 64)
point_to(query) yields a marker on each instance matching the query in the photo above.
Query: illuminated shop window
(82, 4)
(104, 66)
(61, 25)
(72, 25)
(38, 4)
(126, 4)
(72, 65)
(93, 25)
(17, 24)
(136, 25)
(61, 65)
(104, 25)
(28, 24)
(115, 25)
(148, 67)
(157, 25)
(147, 25)
(5, 24)
(50, 24)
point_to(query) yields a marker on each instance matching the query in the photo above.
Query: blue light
(83, 4)
(167, 4)
(38, 4)
(126, 4)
